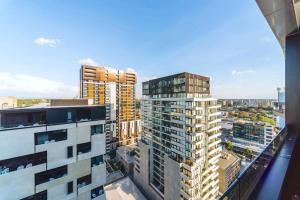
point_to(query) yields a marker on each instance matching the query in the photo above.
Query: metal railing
(246, 182)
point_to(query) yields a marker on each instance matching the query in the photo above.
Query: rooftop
(227, 159)
(123, 189)
(124, 152)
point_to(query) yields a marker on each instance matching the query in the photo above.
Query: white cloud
(87, 61)
(236, 73)
(24, 85)
(47, 41)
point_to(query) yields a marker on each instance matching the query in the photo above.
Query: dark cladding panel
(15, 117)
(291, 183)
(178, 83)
(61, 115)
(98, 113)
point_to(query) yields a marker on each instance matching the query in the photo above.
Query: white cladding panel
(98, 175)
(19, 184)
(112, 95)
(17, 142)
(83, 134)
(98, 144)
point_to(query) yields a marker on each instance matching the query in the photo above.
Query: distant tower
(278, 93)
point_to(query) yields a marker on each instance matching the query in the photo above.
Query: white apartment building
(180, 146)
(52, 153)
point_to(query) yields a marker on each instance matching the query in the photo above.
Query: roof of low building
(227, 159)
(123, 189)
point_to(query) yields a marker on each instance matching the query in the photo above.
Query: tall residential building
(229, 169)
(52, 153)
(179, 150)
(254, 135)
(116, 90)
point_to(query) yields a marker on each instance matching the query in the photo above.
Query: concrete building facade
(52, 153)
(179, 148)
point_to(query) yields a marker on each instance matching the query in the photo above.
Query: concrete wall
(172, 179)
(142, 179)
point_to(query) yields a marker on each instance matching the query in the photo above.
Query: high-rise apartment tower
(180, 146)
(116, 90)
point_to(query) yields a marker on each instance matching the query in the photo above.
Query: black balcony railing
(246, 182)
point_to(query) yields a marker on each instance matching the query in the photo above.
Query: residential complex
(53, 152)
(229, 169)
(254, 135)
(179, 149)
(116, 90)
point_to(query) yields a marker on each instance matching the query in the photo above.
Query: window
(96, 129)
(70, 151)
(97, 160)
(38, 196)
(83, 181)
(22, 162)
(51, 174)
(83, 148)
(70, 187)
(50, 136)
(69, 116)
(97, 192)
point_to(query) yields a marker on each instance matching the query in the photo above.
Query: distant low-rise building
(8, 102)
(253, 135)
(229, 168)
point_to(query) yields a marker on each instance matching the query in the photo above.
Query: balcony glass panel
(38, 196)
(51, 174)
(22, 162)
(50, 136)
(97, 160)
(83, 148)
(97, 129)
(83, 181)
(244, 185)
(97, 192)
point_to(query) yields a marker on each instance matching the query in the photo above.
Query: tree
(249, 153)
(244, 114)
(267, 120)
(229, 145)
(253, 117)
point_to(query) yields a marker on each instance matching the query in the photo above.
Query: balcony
(34, 117)
(263, 178)
(22, 162)
(50, 175)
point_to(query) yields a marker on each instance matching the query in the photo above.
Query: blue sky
(42, 44)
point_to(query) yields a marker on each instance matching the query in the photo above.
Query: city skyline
(42, 54)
